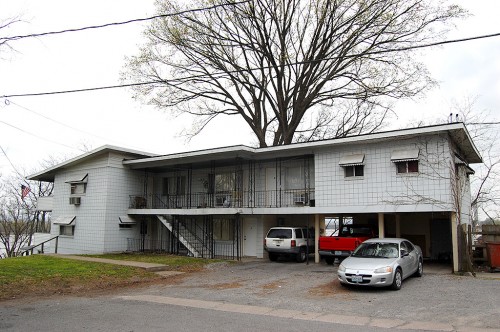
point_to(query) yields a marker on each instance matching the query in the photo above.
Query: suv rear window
(280, 233)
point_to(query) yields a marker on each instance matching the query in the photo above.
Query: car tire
(301, 256)
(273, 257)
(398, 280)
(329, 260)
(420, 269)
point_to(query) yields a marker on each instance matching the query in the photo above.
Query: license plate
(338, 253)
(357, 279)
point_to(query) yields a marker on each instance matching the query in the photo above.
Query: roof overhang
(49, 173)
(456, 131)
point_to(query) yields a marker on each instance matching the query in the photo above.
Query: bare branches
(5, 24)
(289, 68)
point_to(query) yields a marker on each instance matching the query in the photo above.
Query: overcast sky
(60, 126)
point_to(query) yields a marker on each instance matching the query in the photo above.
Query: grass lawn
(40, 275)
(180, 263)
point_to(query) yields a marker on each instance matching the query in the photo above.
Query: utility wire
(106, 25)
(249, 69)
(40, 137)
(66, 125)
(13, 166)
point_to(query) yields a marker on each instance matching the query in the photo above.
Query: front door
(271, 187)
(250, 237)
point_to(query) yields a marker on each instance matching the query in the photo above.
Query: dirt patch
(331, 289)
(272, 286)
(95, 287)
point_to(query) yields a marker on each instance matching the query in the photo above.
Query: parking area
(438, 296)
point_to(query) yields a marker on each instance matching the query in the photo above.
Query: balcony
(256, 199)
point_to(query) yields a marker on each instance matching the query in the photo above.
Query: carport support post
(381, 233)
(398, 225)
(316, 238)
(454, 240)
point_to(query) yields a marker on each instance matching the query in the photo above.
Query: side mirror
(404, 253)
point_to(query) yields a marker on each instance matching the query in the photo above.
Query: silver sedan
(382, 262)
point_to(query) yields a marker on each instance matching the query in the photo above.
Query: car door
(408, 262)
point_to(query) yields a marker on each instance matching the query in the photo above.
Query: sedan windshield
(377, 250)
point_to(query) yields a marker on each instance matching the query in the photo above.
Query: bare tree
(292, 70)
(5, 23)
(19, 216)
(485, 183)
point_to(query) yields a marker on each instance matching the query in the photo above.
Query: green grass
(40, 275)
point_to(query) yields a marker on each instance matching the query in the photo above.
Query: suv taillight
(293, 244)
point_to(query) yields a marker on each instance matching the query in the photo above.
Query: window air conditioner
(299, 198)
(75, 200)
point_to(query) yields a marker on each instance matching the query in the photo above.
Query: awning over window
(64, 220)
(79, 179)
(352, 160)
(126, 220)
(405, 155)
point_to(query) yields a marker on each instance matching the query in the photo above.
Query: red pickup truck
(342, 245)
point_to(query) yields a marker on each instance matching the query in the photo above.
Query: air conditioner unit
(299, 198)
(75, 200)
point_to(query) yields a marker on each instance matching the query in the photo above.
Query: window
(406, 160)
(298, 233)
(78, 188)
(354, 170)
(353, 165)
(410, 166)
(125, 226)
(224, 187)
(175, 185)
(68, 230)
(223, 230)
(79, 185)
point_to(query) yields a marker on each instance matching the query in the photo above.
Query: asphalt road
(270, 296)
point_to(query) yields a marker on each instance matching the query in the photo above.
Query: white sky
(96, 57)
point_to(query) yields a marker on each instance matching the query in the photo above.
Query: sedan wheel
(420, 269)
(397, 281)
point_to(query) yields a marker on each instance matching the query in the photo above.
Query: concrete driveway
(284, 290)
(445, 301)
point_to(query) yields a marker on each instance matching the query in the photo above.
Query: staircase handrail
(32, 247)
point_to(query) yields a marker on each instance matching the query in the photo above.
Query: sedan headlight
(385, 269)
(341, 268)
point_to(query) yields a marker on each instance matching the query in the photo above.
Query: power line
(40, 137)
(12, 165)
(65, 125)
(106, 25)
(116, 86)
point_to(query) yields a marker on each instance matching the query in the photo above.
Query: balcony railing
(256, 199)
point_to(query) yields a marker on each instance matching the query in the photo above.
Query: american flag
(24, 191)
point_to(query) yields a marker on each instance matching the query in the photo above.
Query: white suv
(291, 241)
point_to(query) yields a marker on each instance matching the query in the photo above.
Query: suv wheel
(273, 257)
(301, 256)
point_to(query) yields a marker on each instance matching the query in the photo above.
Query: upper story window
(406, 160)
(353, 165)
(78, 188)
(174, 185)
(410, 166)
(79, 185)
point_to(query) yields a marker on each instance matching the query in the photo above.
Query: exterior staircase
(189, 239)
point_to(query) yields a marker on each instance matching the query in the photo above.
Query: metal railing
(256, 199)
(30, 249)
